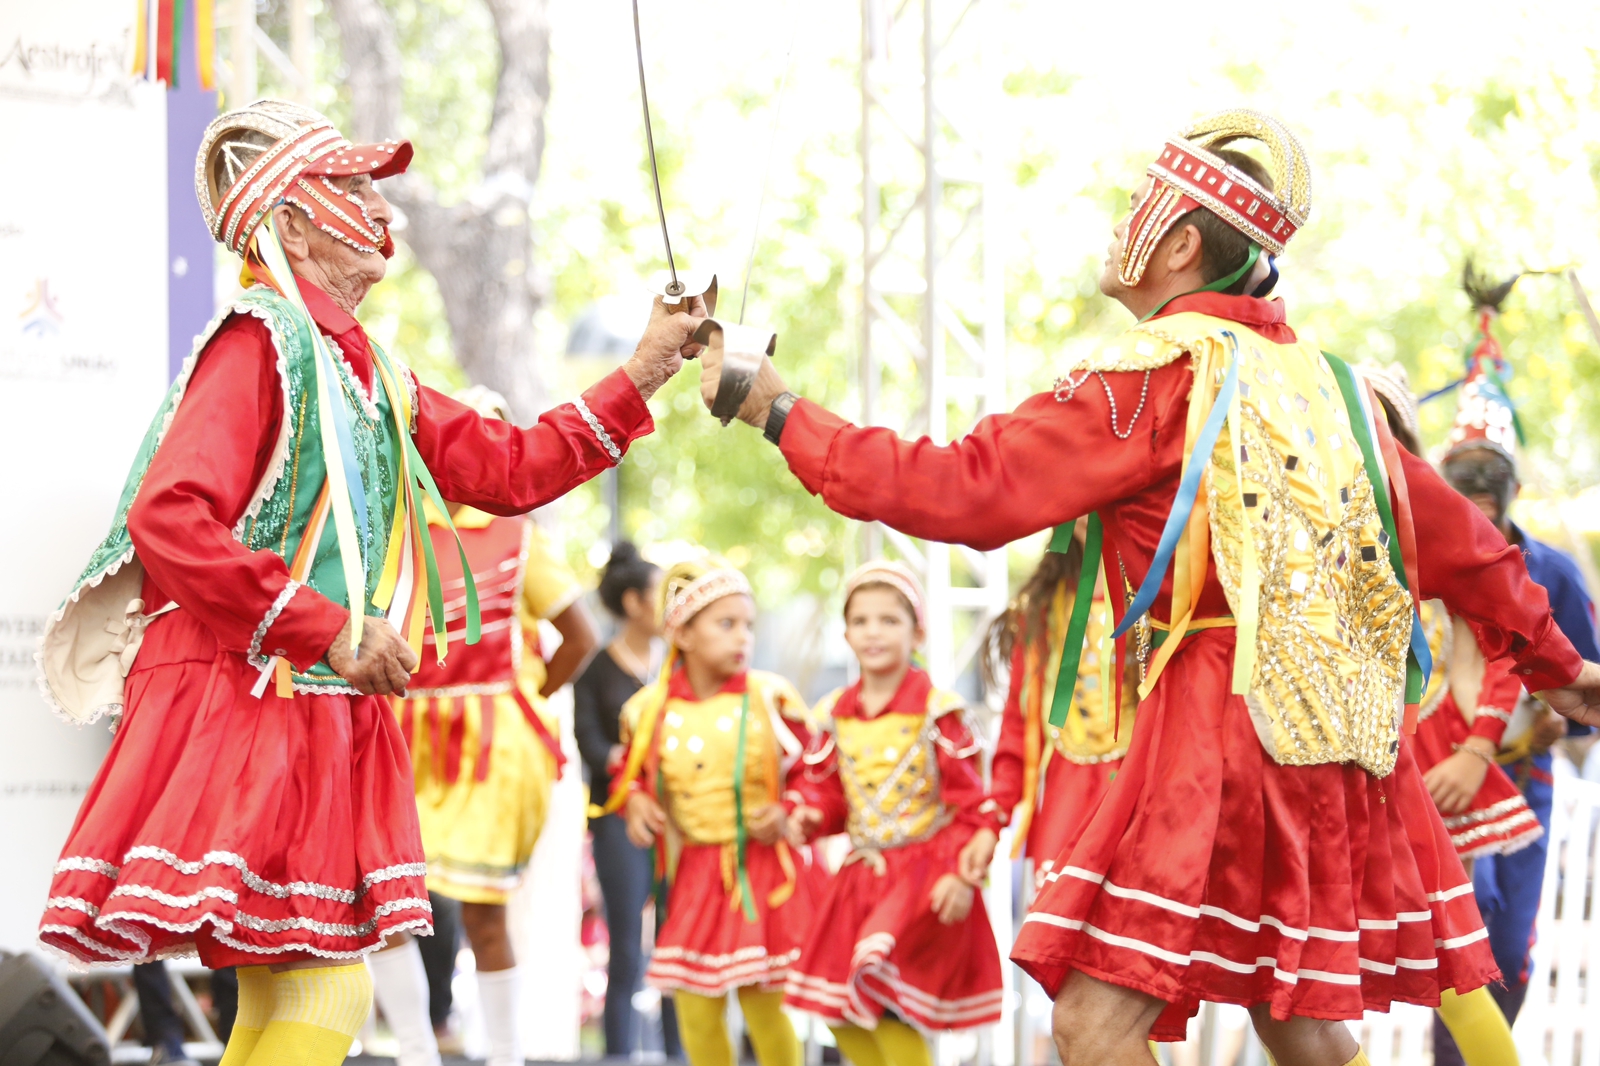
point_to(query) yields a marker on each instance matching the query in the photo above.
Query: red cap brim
(378, 160)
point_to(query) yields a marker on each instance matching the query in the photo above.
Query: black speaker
(42, 1020)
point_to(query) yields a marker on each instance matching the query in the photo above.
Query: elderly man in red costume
(1269, 842)
(256, 805)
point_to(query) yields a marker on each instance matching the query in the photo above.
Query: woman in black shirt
(628, 588)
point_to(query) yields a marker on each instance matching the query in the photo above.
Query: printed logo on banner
(37, 343)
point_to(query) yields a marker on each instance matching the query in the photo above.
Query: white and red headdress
(897, 576)
(1485, 417)
(1188, 175)
(273, 152)
(689, 587)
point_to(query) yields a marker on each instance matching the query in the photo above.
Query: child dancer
(1056, 775)
(901, 937)
(484, 754)
(1462, 717)
(711, 746)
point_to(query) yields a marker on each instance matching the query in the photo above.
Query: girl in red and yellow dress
(1462, 716)
(1053, 777)
(1467, 705)
(712, 747)
(485, 753)
(901, 938)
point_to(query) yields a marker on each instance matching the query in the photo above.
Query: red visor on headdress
(1187, 175)
(296, 170)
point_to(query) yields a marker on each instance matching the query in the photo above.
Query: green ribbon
(1082, 600)
(747, 898)
(1419, 661)
(1216, 286)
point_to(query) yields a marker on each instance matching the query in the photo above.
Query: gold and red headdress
(273, 152)
(897, 576)
(1188, 175)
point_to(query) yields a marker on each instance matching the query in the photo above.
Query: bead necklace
(1066, 388)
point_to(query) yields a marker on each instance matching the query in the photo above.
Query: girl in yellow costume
(485, 755)
(712, 748)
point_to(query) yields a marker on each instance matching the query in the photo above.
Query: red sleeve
(1464, 561)
(961, 787)
(199, 484)
(1007, 770)
(817, 784)
(1014, 474)
(505, 470)
(1496, 700)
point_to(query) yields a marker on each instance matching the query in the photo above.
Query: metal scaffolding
(932, 294)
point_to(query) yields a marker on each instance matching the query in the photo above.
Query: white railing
(1560, 1021)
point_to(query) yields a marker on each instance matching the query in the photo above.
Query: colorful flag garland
(158, 41)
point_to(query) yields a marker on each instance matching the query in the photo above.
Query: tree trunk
(479, 251)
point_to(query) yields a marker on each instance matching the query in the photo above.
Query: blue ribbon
(1188, 491)
(347, 450)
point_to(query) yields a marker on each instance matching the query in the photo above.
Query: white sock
(498, 990)
(400, 985)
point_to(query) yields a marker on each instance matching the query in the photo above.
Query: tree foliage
(1430, 142)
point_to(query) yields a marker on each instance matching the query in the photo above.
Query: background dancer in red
(901, 937)
(1051, 776)
(486, 753)
(256, 805)
(713, 753)
(1482, 809)
(1268, 841)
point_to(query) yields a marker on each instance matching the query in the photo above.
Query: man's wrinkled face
(339, 258)
(1110, 284)
(1486, 478)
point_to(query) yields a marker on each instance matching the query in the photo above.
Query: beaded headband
(897, 576)
(305, 152)
(683, 596)
(1187, 175)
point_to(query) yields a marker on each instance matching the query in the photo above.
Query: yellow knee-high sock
(771, 1032)
(315, 1016)
(902, 1045)
(255, 1010)
(1479, 1027)
(703, 1029)
(1360, 1059)
(857, 1045)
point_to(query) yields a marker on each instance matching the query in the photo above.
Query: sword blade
(676, 288)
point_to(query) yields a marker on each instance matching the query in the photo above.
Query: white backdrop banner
(83, 365)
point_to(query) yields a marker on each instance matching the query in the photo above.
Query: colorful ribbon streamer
(158, 41)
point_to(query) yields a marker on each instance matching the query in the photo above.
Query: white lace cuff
(600, 433)
(1495, 712)
(254, 656)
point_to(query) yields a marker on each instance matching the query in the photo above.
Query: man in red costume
(256, 805)
(1268, 842)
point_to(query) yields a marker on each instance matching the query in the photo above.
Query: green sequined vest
(79, 684)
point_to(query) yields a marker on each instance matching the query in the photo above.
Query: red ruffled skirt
(877, 944)
(1498, 821)
(250, 830)
(1072, 792)
(707, 947)
(1211, 872)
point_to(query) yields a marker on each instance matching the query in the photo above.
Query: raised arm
(1048, 461)
(506, 470)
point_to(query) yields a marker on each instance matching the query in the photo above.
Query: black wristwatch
(777, 415)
